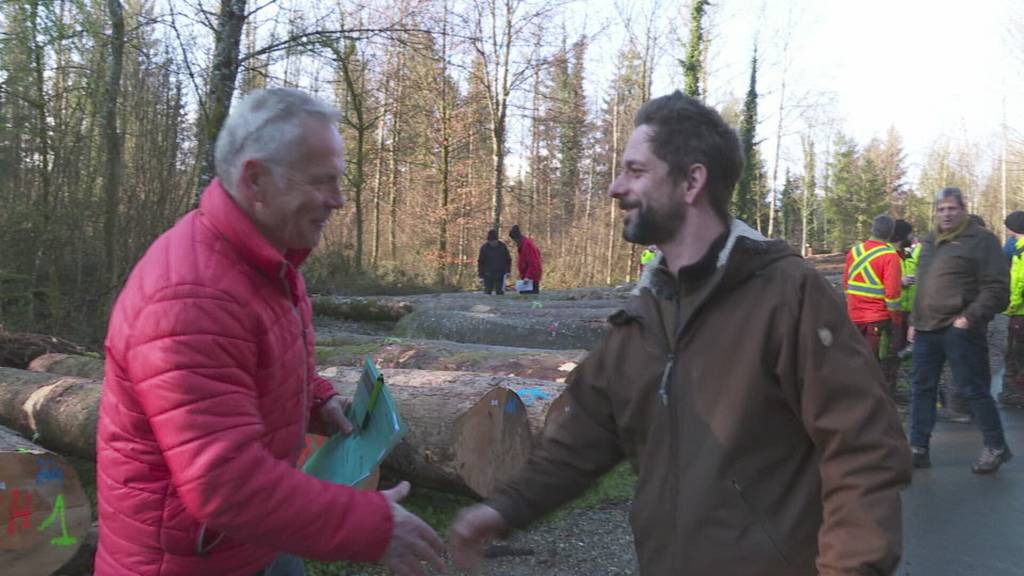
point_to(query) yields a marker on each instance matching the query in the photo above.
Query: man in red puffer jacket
(210, 385)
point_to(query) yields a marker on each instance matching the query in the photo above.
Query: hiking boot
(946, 415)
(1012, 399)
(920, 458)
(991, 459)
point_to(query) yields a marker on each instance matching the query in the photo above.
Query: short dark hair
(882, 227)
(492, 234)
(686, 132)
(950, 192)
(901, 231)
(514, 233)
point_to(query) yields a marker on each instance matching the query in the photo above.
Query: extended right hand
(472, 528)
(412, 540)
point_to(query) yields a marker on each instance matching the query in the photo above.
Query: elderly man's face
(304, 194)
(949, 214)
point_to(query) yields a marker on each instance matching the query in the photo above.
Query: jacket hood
(746, 251)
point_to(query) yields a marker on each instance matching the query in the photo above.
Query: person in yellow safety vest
(1013, 376)
(872, 280)
(904, 242)
(650, 254)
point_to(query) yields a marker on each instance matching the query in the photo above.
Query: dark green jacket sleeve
(993, 282)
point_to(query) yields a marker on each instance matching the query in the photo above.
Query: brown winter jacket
(763, 439)
(968, 275)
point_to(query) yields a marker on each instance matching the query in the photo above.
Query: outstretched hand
(413, 542)
(472, 529)
(331, 418)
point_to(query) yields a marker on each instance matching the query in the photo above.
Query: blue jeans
(967, 352)
(284, 565)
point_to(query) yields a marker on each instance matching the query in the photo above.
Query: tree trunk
(17, 350)
(361, 309)
(68, 365)
(43, 505)
(58, 412)
(466, 432)
(558, 330)
(352, 349)
(221, 85)
(112, 142)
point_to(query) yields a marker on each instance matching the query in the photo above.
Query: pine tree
(747, 197)
(693, 65)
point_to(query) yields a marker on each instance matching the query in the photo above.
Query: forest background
(460, 116)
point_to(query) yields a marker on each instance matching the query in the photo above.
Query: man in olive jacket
(749, 405)
(962, 282)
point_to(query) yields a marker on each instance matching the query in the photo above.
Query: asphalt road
(960, 524)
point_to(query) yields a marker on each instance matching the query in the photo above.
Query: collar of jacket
(968, 231)
(663, 283)
(236, 227)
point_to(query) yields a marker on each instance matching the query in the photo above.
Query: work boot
(920, 458)
(991, 459)
(1011, 398)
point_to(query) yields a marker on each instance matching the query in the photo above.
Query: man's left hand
(961, 322)
(331, 417)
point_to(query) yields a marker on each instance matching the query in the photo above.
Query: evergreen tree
(693, 65)
(841, 196)
(748, 190)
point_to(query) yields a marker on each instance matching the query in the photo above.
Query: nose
(336, 200)
(616, 189)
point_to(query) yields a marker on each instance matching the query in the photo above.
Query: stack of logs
(473, 412)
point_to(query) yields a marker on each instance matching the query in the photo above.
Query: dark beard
(653, 226)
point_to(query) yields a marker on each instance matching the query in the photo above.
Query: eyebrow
(634, 164)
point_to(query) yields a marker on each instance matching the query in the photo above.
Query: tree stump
(43, 509)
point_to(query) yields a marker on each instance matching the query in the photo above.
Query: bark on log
(465, 435)
(42, 504)
(17, 349)
(538, 396)
(68, 365)
(58, 412)
(352, 349)
(361, 309)
(560, 330)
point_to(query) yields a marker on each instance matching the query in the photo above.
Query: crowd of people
(754, 412)
(939, 295)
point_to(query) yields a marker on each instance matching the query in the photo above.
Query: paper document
(525, 285)
(351, 459)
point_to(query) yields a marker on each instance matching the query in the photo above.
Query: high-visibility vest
(646, 257)
(909, 266)
(862, 279)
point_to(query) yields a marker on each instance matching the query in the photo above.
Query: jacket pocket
(183, 535)
(761, 523)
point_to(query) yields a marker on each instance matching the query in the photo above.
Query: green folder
(351, 459)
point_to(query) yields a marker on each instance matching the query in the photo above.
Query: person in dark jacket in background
(528, 259)
(493, 264)
(962, 282)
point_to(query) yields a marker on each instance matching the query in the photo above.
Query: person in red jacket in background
(211, 384)
(872, 280)
(528, 260)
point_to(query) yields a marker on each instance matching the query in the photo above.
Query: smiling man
(734, 382)
(963, 281)
(210, 382)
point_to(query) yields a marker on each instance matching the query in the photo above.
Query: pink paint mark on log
(19, 514)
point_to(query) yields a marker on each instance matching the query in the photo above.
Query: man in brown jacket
(749, 405)
(962, 282)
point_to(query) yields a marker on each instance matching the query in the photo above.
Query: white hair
(265, 125)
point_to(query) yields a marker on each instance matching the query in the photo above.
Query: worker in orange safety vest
(872, 280)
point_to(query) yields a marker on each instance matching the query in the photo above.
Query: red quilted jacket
(528, 262)
(208, 390)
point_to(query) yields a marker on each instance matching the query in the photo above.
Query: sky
(932, 68)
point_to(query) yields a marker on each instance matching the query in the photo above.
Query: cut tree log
(68, 365)
(17, 349)
(352, 349)
(58, 412)
(361, 309)
(43, 505)
(465, 435)
(552, 329)
(537, 396)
